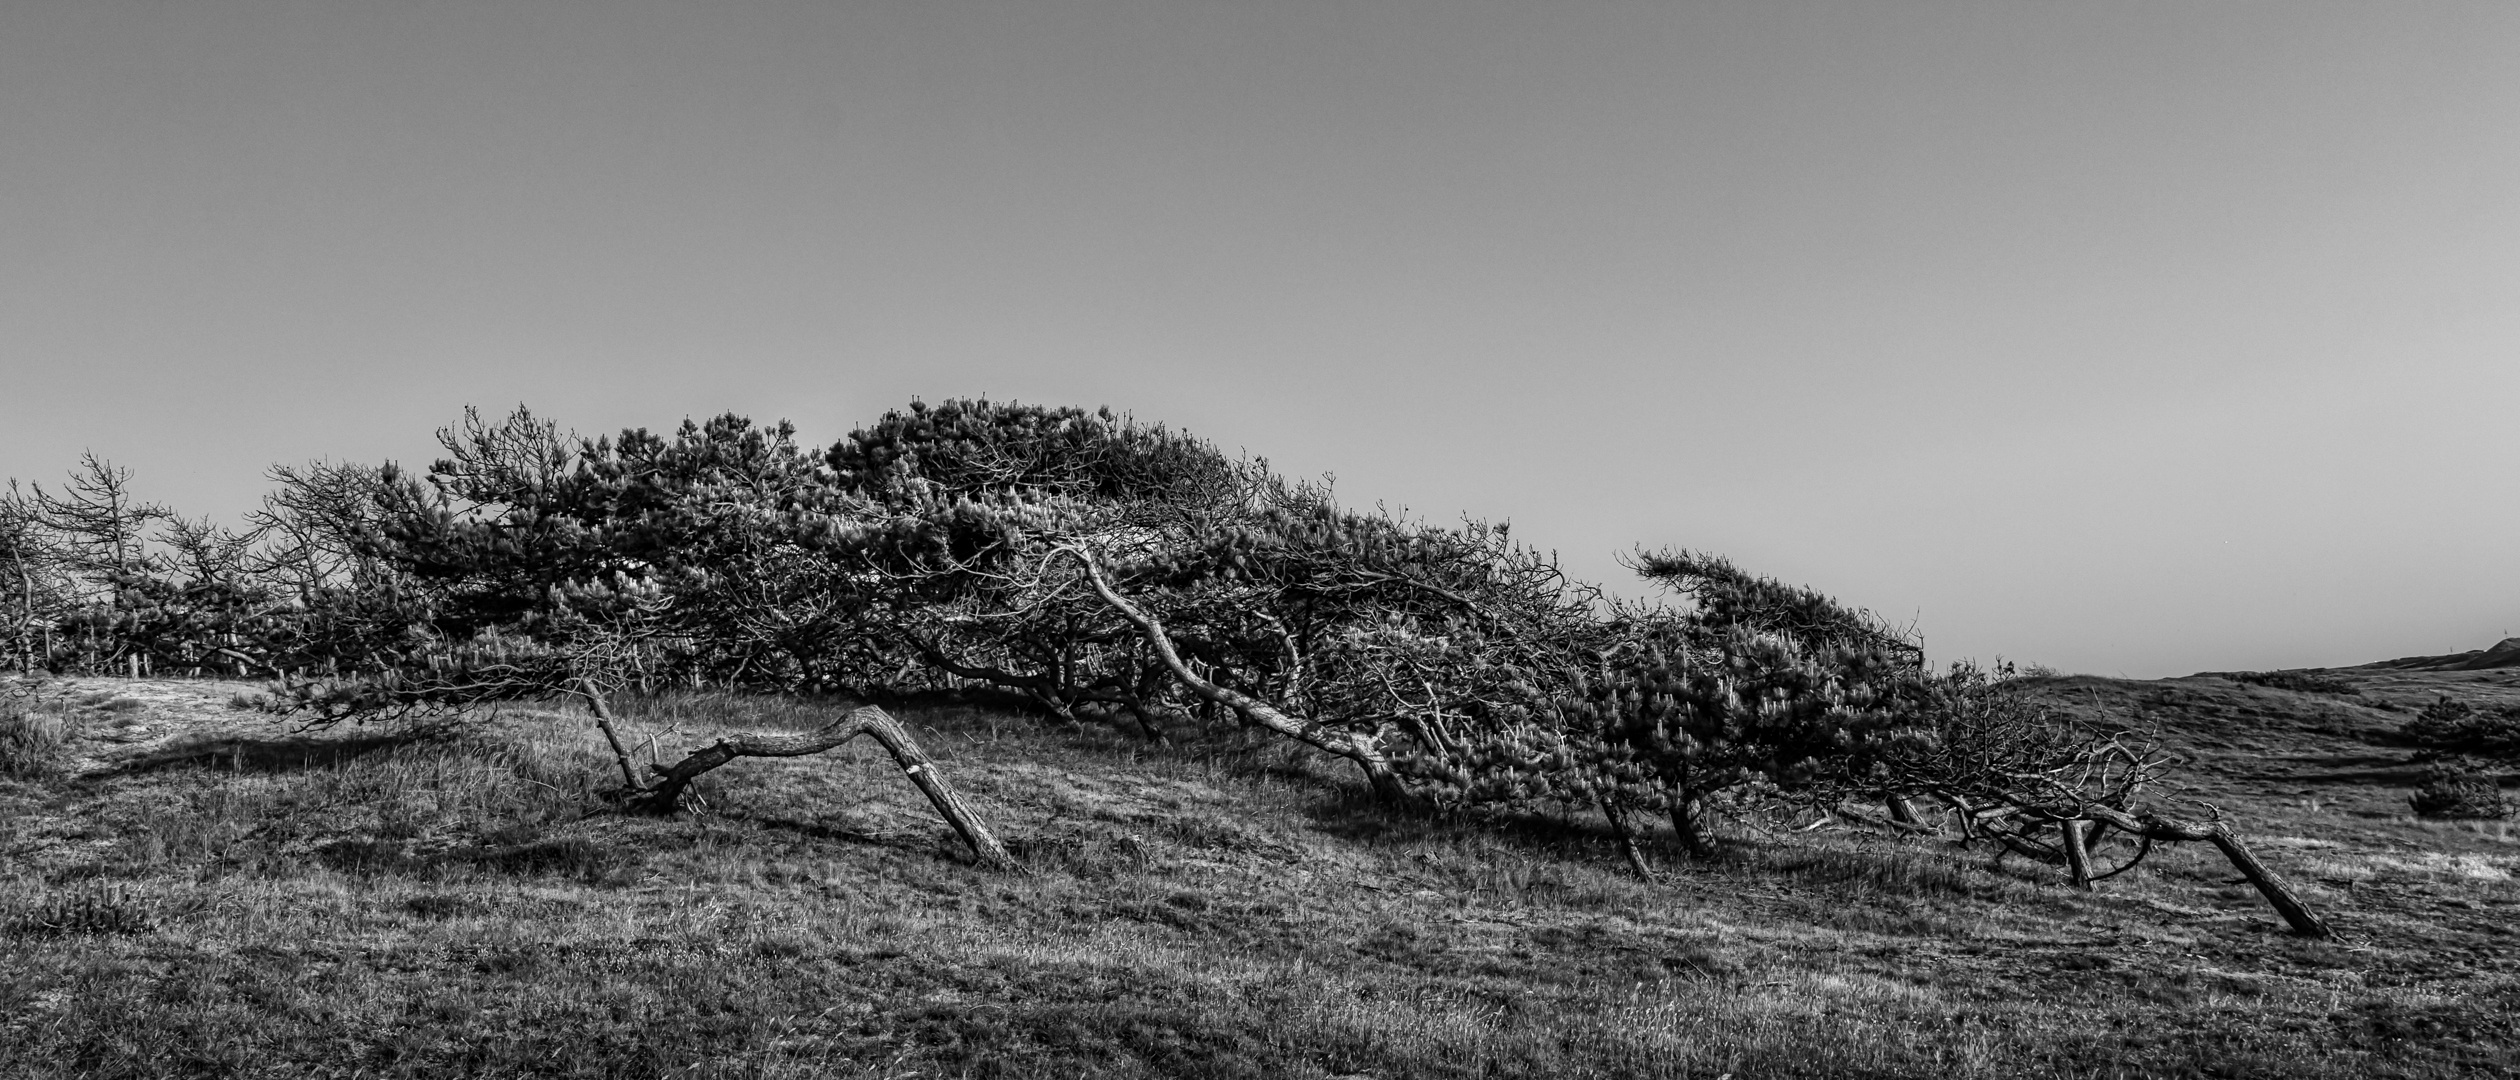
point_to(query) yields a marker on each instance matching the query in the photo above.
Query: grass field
(188, 888)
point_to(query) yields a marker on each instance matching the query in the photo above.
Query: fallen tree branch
(864, 720)
(2270, 884)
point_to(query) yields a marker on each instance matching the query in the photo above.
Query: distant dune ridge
(2505, 653)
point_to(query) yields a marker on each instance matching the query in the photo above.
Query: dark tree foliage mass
(2463, 751)
(1106, 570)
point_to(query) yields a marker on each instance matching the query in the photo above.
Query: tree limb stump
(867, 720)
(2077, 853)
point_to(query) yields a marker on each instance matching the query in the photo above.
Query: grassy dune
(189, 889)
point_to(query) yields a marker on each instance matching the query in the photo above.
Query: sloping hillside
(2318, 780)
(2504, 654)
(200, 891)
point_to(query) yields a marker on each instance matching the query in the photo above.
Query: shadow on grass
(283, 755)
(1348, 811)
(569, 858)
(904, 840)
(2400, 773)
(1895, 871)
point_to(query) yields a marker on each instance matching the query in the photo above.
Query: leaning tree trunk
(1387, 785)
(2276, 890)
(1686, 814)
(2270, 884)
(1627, 838)
(865, 720)
(594, 696)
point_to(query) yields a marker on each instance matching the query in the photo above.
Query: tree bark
(2077, 856)
(2277, 891)
(2270, 884)
(1627, 839)
(604, 722)
(865, 720)
(1684, 823)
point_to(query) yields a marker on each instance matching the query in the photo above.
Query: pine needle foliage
(1107, 570)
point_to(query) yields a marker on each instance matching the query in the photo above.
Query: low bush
(2307, 681)
(2458, 787)
(2453, 727)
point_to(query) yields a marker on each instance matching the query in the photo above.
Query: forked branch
(2270, 884)
(864, 720)
(1358, 748)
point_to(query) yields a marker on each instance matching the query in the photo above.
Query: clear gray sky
(2125, 337)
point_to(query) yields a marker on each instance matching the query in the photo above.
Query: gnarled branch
(1359, 749)
(864, 720)
(2270, 884)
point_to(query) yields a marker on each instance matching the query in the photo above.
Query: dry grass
(34, 733)
(235, 899)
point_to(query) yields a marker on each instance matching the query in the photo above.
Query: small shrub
(2304, 680)
(2456, 787)
(2442, 713)
(2457, 728)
